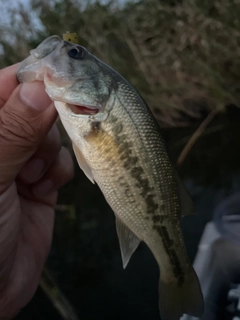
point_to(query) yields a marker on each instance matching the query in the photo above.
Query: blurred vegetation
(182, 56)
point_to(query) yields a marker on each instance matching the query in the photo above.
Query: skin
(33, 165)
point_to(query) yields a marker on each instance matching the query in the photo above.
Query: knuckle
(16, 130)
(64, 164)
(67, 163)
(53, 140)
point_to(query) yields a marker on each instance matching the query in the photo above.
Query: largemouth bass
(118, 145)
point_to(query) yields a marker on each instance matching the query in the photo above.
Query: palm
(30, 223)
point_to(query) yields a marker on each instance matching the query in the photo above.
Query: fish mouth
(84, 110)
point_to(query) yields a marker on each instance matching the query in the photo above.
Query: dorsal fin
(187, 205)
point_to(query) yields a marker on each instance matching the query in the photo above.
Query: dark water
(85, 258)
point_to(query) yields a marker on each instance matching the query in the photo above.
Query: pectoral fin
(83, 163)
(127, 240)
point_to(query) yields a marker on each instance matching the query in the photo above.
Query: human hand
(33, 165)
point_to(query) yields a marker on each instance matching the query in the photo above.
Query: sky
(4, 5)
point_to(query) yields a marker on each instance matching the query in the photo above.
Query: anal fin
(127, 240)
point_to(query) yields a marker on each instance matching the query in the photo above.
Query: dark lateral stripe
(168, 243)
(159, 218)
(130, 163)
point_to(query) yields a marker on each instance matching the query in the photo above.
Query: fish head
(74, 79)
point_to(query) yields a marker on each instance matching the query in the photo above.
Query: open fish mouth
(81, 109)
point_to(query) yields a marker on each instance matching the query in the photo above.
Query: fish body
(119, 146)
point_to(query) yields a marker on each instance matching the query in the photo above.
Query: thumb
(25, 119)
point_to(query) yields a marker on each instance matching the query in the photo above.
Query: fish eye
(76, 52)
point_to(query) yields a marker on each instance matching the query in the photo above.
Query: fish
(119, 146)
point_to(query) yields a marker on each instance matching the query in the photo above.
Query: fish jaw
(80, 88)
(30, 69)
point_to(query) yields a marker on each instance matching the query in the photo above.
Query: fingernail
(33, 94)
(33, 170)
(43, 188)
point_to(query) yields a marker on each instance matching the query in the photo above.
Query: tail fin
(175, 300)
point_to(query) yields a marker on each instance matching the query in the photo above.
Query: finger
(42, 159)
(25, 119)
(25, 191)
(8, 82)
(58, 174)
